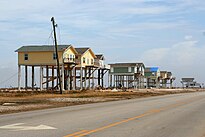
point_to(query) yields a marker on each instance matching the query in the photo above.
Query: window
(71, 57)
(25, 56)
(92, 61)
(87, 61)
(54, 56)
(129, 69)
(83, 60)
(112, 69)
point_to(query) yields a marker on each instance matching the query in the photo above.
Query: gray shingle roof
(100, 56)
(41, 48)
(127, 64)
(81, 50)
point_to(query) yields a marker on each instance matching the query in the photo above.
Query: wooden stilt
(93, 82)
(98, 77)
(81, 78)
(57, 80)
(68, 80)
(102, 78)
(52, 77)
(41, 78)
(19, 77)
(32, 77)
(89, 75)
(71, 79)
(63, 78)
(26, 77)
(110, 84)
(115, 80)
(47, 73)
(74, 79)
(85, 75)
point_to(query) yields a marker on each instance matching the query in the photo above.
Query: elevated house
(99, 60)
(102, 69)
(85, 60)
(166, 79)
(152, 75)
(88, 65)
(71, 60)
(45, 57)
(85, 57)
(163, 78)
(128, 75)
(190, 83)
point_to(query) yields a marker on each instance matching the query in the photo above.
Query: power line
(59, 34)
(8, 78)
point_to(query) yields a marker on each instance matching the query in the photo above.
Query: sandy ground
(16, 101)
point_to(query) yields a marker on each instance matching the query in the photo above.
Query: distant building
(152, 75)
(190, 83)
(166, 79)
(129, 75)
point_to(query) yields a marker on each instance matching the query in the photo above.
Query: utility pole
(56, 48)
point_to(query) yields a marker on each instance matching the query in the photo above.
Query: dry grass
(39, 100)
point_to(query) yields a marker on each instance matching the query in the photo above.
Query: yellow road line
(111, 125)
(76, 133)
(86, 132)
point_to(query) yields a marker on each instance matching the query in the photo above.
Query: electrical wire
(59, 34)
(8, 78)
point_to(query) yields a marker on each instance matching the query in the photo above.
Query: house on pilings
(127, 75)
(166, 79)
(43, 58)
(152, 75)
(88, 65)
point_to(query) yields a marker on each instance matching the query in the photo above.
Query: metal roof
(151, 69)
(35, 48)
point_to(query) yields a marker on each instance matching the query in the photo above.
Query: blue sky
(168, 34)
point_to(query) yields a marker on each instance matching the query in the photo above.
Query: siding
(38, 58)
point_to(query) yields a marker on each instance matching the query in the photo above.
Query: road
(178, 115)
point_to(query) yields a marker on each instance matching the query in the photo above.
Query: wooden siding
(88, 57)
(38, 58)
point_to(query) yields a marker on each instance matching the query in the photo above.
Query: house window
(92, 61)
(112, 69)
(25, 56)
(71, 57)
(54, 56)
(87, 61)
(129, 69)
(83, 60)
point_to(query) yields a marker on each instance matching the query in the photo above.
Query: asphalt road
(179, 115)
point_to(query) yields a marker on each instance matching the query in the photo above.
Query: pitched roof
(127, 64)
(81, 50)
(41, 48)
(187, 79)
(100, 56)
(151, 69)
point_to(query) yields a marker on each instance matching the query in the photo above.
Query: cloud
(184, 59)
(188, 37)
(110, 26)
(181, 54)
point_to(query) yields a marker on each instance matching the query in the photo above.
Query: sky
(169, 34)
